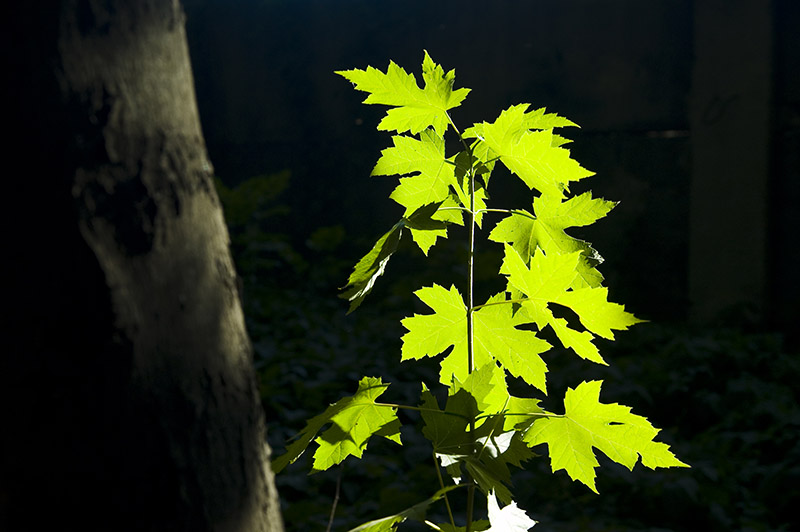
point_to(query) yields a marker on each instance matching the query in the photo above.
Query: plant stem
(335, 499)
(470, 303)
(470, 324)
(527, 414)
(415, 408)
(471, 258)
(470, 276)
(506, 302)
(441, 485)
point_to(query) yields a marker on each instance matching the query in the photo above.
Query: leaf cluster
(483, 429)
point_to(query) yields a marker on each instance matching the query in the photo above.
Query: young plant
(482, 429)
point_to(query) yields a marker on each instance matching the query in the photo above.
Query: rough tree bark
(129, 394)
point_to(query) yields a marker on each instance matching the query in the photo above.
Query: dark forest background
(689, 115)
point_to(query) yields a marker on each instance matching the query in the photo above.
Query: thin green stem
(470, 306)
(463, 209)
(527, 414)
(470, 329)
(470, 506)
(417, 409)
(441, 485)
(523, 300)
(335, 498)
(503, 211)
(518, 212)
(470, 278)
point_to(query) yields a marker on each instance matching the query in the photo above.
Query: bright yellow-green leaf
(414, 109)
(354, 424)
(495, 334)
(354, 419)
(430, 175)
(579, 341)
(547, 277)
(534, 156)
(521, 412)
(426, 226)
(517, 350)
(430, 334)
(540, 119)
(595, 311)
(525, 232)
(588, 424)
(548, 280)
(517, 119)
(410, 155)
(487, 385)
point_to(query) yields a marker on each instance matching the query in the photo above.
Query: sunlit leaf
(587, 424)
(353, 421)
(414, 109)
(508, 519)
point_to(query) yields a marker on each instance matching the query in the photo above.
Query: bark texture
(129, 385)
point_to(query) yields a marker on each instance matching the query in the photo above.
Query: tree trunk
(131, 401)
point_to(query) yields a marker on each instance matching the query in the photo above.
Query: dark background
(689, 115)
(623, 70)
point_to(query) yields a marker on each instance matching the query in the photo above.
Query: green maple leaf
(535, 156)
(517, 350)
(430, 334)
(547, 280)
(354, 420)
(587, 424)
(354, 424)
(487, 386)
(540, 119)
(521, 412)
(371, 266)
(414, 109)
(424, 158)
(525, 232)
(427, 225)
(447, 429)
(516, 120)
(496, 337)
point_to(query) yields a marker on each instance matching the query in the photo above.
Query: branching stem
(470, 302)
(418, 409)
(506, 302)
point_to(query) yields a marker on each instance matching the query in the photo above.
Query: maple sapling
(483, 429)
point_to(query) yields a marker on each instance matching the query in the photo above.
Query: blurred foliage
(728, 399)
